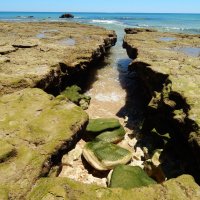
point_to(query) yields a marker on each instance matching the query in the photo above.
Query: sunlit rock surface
(44, 54)
(33, 127)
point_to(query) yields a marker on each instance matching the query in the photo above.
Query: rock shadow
(136, 94)
(166, 124)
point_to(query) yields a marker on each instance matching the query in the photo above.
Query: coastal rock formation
(34, 128)
(182, 188)
(168, 64)
(67, 15)
(47, 55)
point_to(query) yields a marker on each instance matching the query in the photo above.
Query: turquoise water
(188, 23)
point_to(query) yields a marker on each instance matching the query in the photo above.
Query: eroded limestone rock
(44, 61)
(181, 188)
(33, 126)
(170, 74)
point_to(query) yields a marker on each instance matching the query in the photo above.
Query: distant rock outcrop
(66, 15)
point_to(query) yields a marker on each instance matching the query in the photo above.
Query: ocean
(186, 23)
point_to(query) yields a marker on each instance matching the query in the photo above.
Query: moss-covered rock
(103, 155)
(102, 124)
(181, 188)
(113, 136)
(73, 93)
(128, 177)
(36, 126)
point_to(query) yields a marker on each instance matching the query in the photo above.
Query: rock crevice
(168, 77)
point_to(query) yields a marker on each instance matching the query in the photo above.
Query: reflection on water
(68, 42)
(44, 33)
(167, 39)
(190, 51)
(40, 35)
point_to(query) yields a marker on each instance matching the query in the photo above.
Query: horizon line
(104, 12)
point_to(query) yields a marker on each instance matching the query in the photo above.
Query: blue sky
(173, 6)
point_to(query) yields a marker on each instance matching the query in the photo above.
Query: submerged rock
(102, 124)
(104, 156)
(34, 126)
(128, 177)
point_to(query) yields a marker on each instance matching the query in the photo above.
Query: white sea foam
(105, 21)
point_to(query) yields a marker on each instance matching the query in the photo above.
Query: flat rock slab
(182, 188)
(33, 127)
(40, 54)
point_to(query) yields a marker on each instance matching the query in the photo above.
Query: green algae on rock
(181, 188)
(36, 126)
(73, 93)
(112, 136)
(127, 177)
(104, 156)
(102, 124)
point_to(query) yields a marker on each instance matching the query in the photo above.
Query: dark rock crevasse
(172, 82)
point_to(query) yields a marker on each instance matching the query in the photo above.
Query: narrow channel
(115, 93)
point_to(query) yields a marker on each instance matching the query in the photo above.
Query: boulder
(102, 124)
(104, 156)
(67, 15)
(113, 136)
(34, 126)
(128, 177)
(73, 93)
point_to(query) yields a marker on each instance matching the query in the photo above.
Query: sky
(150, 6)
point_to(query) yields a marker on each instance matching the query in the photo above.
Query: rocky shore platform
(37, 128)
(44, 55)
(169, 66)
